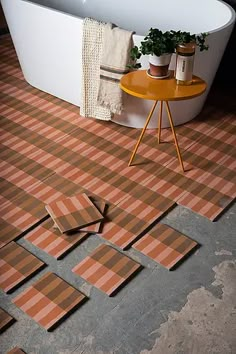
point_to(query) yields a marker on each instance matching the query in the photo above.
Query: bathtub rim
(218, 29)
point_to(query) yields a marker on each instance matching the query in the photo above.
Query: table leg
(159, 122)
(142, 133)
(174, 135)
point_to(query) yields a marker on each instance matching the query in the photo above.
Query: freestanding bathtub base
(47, 35)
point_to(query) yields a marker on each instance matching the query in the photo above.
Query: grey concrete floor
(191, 310)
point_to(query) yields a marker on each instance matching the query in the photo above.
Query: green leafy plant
(157, 43)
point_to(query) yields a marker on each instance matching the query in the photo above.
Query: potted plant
(160, 46)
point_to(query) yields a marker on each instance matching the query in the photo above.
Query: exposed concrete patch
(86, 288)
(206, 323)
(223, 253)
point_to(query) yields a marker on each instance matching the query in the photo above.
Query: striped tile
(165, 245)
(96, 227)
(18, 216)
(49, 300)
(6, 320)
(106, 269)
(131, 217)
(16, 350)
(52, 241)
(16, 266)
(74, 213)
(45, 136)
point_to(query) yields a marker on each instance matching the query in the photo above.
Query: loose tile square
(133, 216)
(74, 212)
(16, 350)
(6, 320)
(49, 300)
(106, 269)
(96, 227)
(52, 241)
(165, 245)
(16, 266)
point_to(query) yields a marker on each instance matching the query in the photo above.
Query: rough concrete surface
(205, 324)
(190, 310)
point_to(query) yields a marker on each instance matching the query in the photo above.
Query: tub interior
(186, 15)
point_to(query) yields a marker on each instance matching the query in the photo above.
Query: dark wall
(226, 74)
(3, 23)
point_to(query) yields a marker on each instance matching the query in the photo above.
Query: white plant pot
(162, 60)
(159, 66)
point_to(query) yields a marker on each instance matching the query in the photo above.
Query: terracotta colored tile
(74, 213)
(16, 350)
(132, 216)
(96, 227)
(52, 241)
(16, 266)
(49, 300)
(19, 215)
(106, 269)
(51, 152)
(6, 320)
(165, 245)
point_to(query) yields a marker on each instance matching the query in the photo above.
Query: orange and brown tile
(49, 300)
(74, 212)
(6, 320)
(106, 269)
(52, 241)
(16, 266)
(165, 245)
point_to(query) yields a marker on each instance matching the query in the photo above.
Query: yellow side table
(139, 84)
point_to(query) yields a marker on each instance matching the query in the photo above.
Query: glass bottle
(184, 63)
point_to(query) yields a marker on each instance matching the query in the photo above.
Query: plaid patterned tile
(41, 136)
(96, 227)
(16, 266)
(165, 245)
(74, 213)
(18, 216)
(106, 269)
(8, 233)
(50, 240)
(132, 216)
(49, 300)
(16, 350)
(6, 320)
(206, 202)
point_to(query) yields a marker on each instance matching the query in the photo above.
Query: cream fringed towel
(115, 57)
(91, 58)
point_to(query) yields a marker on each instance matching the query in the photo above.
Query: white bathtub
(47, 36)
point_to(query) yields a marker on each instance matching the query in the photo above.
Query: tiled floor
(47, 156)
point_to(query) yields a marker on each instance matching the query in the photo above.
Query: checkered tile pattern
(46, 140)
(16, 350)
(19, 215)
(74, 213)
(16, 266)
(6, 320)
(130, 218)
(106, 269)
(50, 240)
(165, 245)
(49, 300)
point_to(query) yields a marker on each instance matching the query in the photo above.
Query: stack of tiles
(48, 237)
(76, 213)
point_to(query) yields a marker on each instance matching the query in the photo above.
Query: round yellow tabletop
(139, 84)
